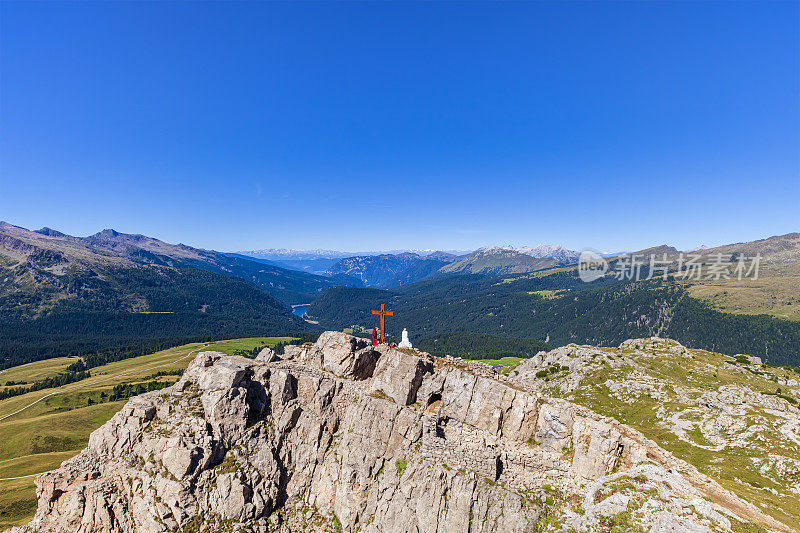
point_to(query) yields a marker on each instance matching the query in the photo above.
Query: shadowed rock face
(346, 436)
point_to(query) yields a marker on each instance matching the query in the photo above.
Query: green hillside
(115, 295)
(775, 291)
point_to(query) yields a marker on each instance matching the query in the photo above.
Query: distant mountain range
(541, 251)
(116, 293)
(326, 263)
(284, 254)
(287, 254)
(392, 270)
(551, 303)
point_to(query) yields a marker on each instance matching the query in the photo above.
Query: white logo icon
(591, 266)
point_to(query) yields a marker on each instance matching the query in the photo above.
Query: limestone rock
(399, 375)
(307, 443)
(267, 355)
(344, 355)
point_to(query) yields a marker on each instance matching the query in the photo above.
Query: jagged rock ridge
(343, 436)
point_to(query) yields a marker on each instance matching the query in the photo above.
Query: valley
(529, 320)
(755, 316)
(120, 295)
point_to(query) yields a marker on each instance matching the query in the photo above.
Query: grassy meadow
(247, 344)
(771, 294)
(509, 361)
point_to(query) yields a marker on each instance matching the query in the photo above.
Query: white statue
(405, 343)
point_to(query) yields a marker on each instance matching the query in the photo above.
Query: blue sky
(361, 126)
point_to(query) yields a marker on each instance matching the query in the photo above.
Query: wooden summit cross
(384, 313)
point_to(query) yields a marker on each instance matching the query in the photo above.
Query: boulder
(344, 355)
(267, 355)
(217, 371)
(399, 375)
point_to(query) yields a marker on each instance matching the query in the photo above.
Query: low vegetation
(62, 378)
(250, 346)
(727, 416)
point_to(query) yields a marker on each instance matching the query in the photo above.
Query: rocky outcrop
(344, 436)
(344, 356)
(267, 355)
(399, 375)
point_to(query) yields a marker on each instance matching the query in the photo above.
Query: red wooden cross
(384, 313)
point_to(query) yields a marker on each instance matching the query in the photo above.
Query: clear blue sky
(359, 126)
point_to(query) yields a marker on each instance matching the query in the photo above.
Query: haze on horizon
(354, 126)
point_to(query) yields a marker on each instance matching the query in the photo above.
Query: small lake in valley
(300, 310)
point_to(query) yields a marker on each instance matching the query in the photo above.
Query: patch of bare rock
(344, 436)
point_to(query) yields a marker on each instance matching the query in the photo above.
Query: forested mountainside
(393, 270)
(287, 285)
(62, 296)
(773, 288)
(561, 308)
(134, 311)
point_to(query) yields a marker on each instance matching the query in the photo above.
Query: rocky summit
(343, 436)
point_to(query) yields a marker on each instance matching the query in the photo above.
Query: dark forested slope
(62, 295)
(136, 310)
(468, 345)
(560, 309)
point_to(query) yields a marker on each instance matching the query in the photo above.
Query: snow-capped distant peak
(496, 249)
(290, 254)
(539, 252)
(555, 251)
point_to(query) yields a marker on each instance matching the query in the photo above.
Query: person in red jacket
(374, 337)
